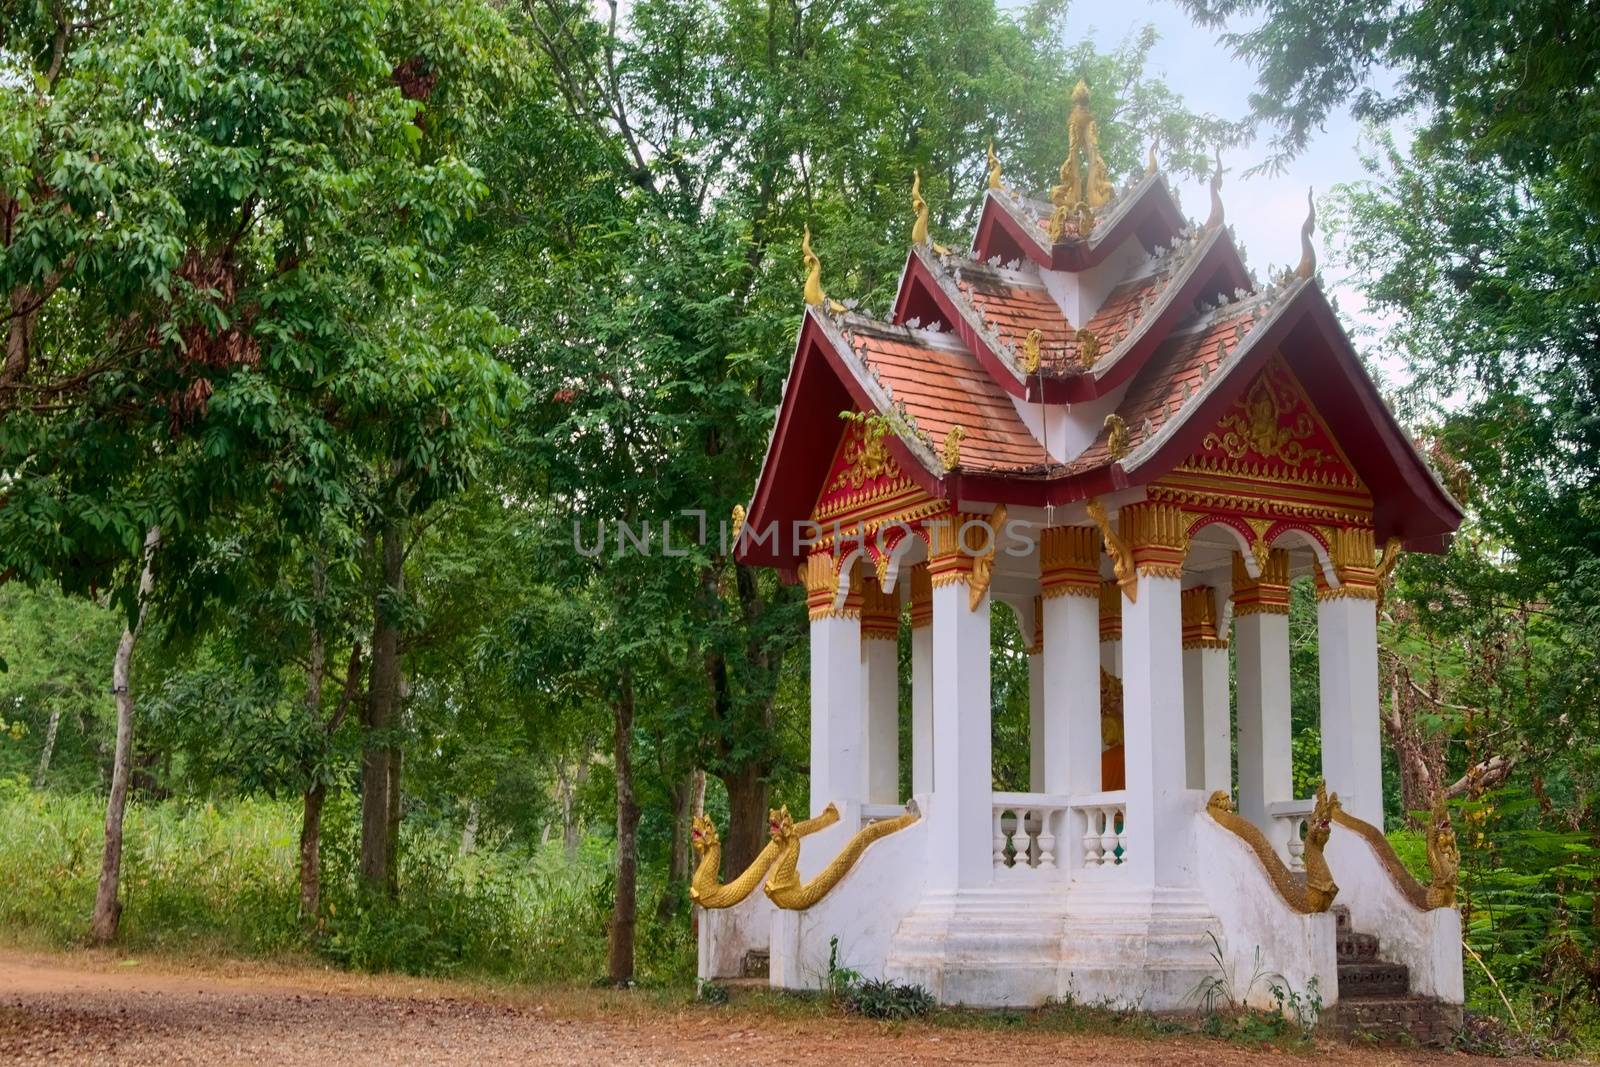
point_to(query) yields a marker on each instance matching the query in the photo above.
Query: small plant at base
(841, 980)
(712, 993)
(1305, 1008)
(883, 998)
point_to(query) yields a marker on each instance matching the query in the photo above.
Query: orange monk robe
(1113, 767)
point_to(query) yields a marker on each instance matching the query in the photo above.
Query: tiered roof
(1173, 330)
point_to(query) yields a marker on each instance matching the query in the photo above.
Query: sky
(1265, 211)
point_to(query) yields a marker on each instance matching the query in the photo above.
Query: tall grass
(221, 878)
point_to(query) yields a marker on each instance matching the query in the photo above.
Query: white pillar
(838, 742)
(1347, 657)
(1111, 629)
(921, 681)
(1261, 651)
(1071, 695)
(1159, 835)
(1036, 751)
(1207, 732)
(880, 686)
(960, 832)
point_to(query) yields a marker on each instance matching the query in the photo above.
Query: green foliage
(884, 998)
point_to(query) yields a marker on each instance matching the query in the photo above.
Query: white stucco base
(1428, 942)
(1265, 940)
(727, 934)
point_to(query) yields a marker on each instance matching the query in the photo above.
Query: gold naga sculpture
(1444, 859)
(1317, 893)
(994, 167)
(814, 295)
(784, 887)
(706, 891)
(950, 455)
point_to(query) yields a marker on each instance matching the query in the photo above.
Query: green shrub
(882, 998)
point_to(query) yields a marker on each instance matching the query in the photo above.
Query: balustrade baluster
(999, 838)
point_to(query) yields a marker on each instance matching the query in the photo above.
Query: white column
(880, 685)
(1160, 838)
(1261, 653)
(1206, 724)
(922, 709)
(837, 739)
(961, 839)
(1347, 657)
(1209, 765)
(1071, 695)
(1036, 756)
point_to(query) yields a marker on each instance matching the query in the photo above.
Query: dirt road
(92, 1009)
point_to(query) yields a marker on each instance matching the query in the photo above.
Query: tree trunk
(679, 856)
(391, 872)
(107, 906)
(469, 832)
(311, 851)
(49, 748)
(378, 717)
(316, 792)
(624, 912)
(748, 830)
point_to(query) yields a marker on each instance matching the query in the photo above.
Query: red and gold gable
(866, 491)
(1272, 453)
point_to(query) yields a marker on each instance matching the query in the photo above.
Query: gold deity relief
(1265, 423)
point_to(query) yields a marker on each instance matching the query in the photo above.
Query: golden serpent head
(1320, 823)
(780, 823)
(1219, 801)
(703, 834)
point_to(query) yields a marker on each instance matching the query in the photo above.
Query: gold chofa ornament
(1030, 351)
(994, 168)
(814, 295)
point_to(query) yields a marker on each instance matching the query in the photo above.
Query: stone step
(1356, 948)
(1375, 979)
(757, 963)
(1421, 1020)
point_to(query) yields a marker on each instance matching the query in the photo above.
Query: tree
(700, 139)
(221, 225)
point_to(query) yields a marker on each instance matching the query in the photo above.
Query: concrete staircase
(1375, 998)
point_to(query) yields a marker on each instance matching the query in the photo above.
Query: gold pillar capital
(1158, 535)
(1069, 561)
(1200, 624)
(880, 612)
(1266, 595)
(1353, 551)
(1110, 611)
(921, 596)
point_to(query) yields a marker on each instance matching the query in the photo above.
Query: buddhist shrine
(1095, 419)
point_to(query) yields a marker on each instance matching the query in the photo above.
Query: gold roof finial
(814, 295)
(1150, 164)
(1084, 179)
(1215, 219)
(919, 228)
(994, 167)
(1308, 254)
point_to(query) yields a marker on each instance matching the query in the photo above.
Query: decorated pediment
(1272, 451)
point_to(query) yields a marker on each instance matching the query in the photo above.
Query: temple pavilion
(1098, 419)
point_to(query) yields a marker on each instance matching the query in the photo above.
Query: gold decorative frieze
(1266, 595)
(1199, 610)
(1069, 561)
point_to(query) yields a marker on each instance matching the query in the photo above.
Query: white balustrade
(1026, 829)
(1098, 827)
(1287, 831)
